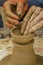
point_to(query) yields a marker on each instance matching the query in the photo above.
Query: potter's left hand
(13, 19)
(37, 22)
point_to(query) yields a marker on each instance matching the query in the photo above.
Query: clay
(27, 17)
(17, 29)
(17, 32)
(22, 55)
(17, 37)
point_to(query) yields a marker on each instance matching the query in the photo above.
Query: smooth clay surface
(23, 53)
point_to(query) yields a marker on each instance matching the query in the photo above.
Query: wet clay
(17, 31)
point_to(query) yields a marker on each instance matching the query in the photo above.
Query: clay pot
(18, 38)
(23, 55)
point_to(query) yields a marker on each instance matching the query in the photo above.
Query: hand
(35, 21)
(12, 19)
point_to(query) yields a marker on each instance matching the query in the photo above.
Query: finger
(37, 26)
(29, 13)
(35, 13)
(27, 28)
(10, 14)
(13, 21)
(8, 24)
(36, 20)
(26, 18)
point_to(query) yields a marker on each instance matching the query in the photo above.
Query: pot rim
(20, 35)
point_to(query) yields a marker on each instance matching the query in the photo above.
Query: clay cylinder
(18, 38)
(23, 55)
